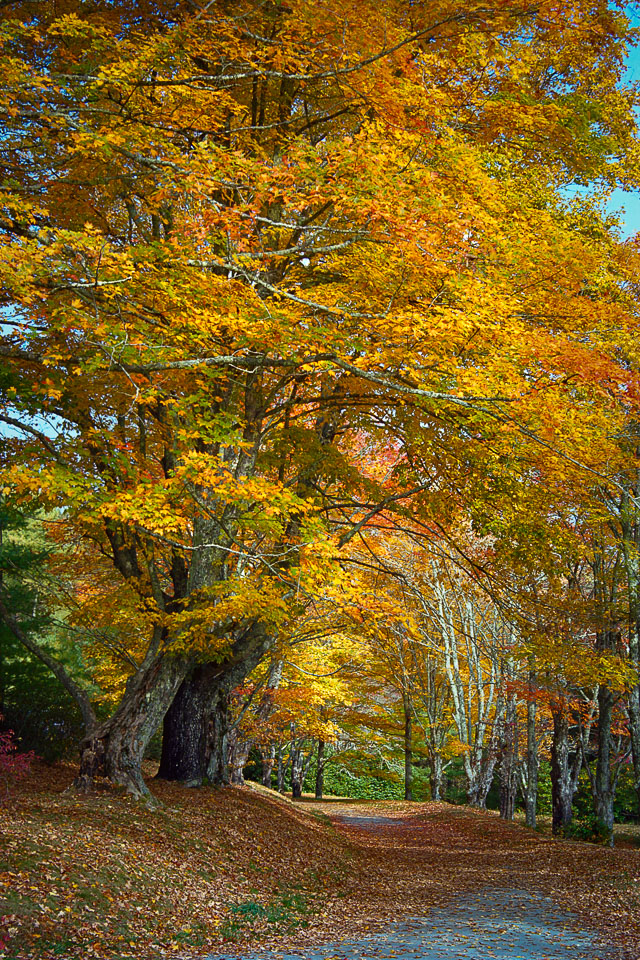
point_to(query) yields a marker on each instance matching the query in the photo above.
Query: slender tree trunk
(408, 748)
(320, 770)
(282, 768)
(436, 778)
(531, 794)
(238, 755)
(268, 761)
(217, 721)
(603, 787)
(479, 771)
(561, 780)
(508, 762)
(297, 759)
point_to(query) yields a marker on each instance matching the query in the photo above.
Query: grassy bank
(103, 876)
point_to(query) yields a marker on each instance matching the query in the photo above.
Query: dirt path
(446, 883)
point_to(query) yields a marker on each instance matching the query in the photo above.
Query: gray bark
(408, 748)
(320, 770)
(531, 791)
(115, 748)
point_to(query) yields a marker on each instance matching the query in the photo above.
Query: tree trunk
(320, 770)
(281, 769)
(297, 760)
(436, 778)
(531, 793)
(217, 721)
(115, 749)
(238, 755)
(479, 771)
(195, 735)
(562, 789)
(633, 707)
(508, 762)
(603, 787)
(408, 753)
(183, 739)
(268, 761)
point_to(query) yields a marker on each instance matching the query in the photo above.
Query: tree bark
(196, 731)
(184, 735)
(508, 762)
(562, 789)
(633, 707)
(603, 785)
(531, 791)
(282, 769)
(320, 770)
(238, 754)
(408, 750)
(268, 761)
(115, 749)
(436, 778)
(297, 760)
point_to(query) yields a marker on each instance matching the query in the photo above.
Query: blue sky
(630, 201)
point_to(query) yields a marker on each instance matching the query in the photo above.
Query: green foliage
(370, 785)
(544, 806)
(41, 713)
(455, 783)
(420, 784)
(35, 705)
(625, 804)
(589, 828)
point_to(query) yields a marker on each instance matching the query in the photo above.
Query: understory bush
(589, 828)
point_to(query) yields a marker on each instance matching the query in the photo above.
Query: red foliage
(13, 764)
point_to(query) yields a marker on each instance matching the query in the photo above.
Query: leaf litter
(234, 871)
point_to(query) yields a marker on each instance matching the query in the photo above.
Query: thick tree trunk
(320, 770)
(195, 734)
(115, 749)
(184, 739)
(408, 748)
(562, 789)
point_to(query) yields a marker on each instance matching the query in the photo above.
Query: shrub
(13, 763)
(589, 828)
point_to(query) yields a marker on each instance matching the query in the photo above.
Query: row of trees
(307, 346)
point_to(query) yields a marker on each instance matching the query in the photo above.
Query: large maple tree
(237, 237)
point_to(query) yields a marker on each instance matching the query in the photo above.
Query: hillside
(222, 869)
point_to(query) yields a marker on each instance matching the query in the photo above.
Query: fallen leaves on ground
(217, 870)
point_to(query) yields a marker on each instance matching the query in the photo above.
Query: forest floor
(239, 872)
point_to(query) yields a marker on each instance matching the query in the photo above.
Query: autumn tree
(235, 238)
